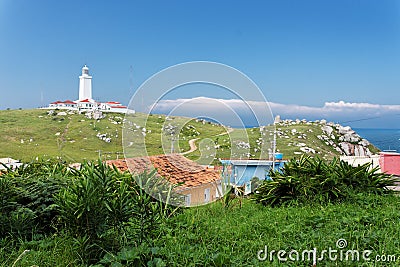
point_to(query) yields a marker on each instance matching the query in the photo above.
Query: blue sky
(301, 54)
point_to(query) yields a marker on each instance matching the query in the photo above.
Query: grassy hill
(27, 134)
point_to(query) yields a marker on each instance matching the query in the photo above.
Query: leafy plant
(27, 198)
(106, 210)
(233, 197)
(312, 179)
(142, 255)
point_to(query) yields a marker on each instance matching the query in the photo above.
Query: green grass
(212, 235)
(55, 250)
(312, 141)
(97, 218)
(215, 236)
(73, 137)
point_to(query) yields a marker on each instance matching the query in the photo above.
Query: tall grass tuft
(314, 180)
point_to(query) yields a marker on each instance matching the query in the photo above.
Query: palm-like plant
(312, 179)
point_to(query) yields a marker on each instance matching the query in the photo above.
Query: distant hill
(325, 139)
(28, 134)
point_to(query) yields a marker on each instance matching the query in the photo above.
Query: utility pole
(171, 132)
(172, 144)
(274, 148)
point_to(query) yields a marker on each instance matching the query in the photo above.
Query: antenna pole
(274, 148)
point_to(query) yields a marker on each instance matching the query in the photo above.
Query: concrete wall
(361, 160)
(197, 194)
(390, 163)
(241, 174)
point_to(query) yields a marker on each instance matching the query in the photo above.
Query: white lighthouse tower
(85, 84)
(86, 103)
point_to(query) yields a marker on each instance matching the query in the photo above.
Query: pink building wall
(390, 163)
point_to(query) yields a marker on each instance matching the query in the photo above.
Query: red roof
(113, 102)
(85, 101)
(57, 102)
(174, 167)
(69, 102)
(119, 106)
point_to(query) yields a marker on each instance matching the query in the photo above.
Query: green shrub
(105, 210)
(8, 204)
(97, 207)
(27, 207)
(314, 180)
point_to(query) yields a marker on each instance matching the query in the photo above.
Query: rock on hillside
(348, 143)
(342, 140)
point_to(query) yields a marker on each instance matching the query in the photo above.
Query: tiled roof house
(199, 184)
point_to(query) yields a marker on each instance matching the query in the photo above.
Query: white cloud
(373, 115)
(347, 105)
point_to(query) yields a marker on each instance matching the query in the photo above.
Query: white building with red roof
(67, 104)
(85, 101)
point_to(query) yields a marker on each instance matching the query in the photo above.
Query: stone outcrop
(341, 138)
(350, 143)
(350, 149)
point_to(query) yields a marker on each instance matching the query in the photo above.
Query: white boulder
(327, 129)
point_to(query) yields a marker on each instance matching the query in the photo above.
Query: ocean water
(384, 139)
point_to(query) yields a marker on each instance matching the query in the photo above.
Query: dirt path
(61, 139)
(192, 142)
(192, 145)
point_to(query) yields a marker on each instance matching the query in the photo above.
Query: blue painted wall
(241, 174)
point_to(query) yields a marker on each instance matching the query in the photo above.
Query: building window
(188, 200)
(207, 195)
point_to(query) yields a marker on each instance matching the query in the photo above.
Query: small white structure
(9, 163)
(361, 160)
(86, 103)
(67, 104)
(85, 84)
(112, 106)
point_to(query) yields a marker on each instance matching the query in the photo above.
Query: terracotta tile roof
(63, 102)
(174, 167)
(119, 106)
